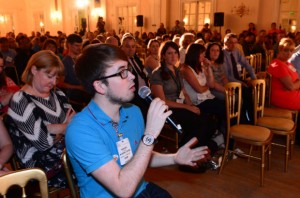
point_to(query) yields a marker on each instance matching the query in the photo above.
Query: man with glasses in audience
(108, 144)
(234, 61)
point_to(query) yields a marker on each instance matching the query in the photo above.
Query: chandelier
(240, 10)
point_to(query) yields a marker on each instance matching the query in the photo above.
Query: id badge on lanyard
(124, 150)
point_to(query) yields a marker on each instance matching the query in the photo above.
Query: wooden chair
(269, 57)
(247, 134)
(15, 165)
(271, 111)
(279, 126)
(21, 178)
(68, 171)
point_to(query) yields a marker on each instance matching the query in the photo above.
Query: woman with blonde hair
(38, 115)
(285, 91)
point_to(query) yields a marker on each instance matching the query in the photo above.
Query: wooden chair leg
(250, 152)
(287, 151)
(269, 155)
(293, 136)
(262, 165)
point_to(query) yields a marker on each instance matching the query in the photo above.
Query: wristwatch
(149, 139)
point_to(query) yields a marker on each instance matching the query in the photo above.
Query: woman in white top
(198, 78)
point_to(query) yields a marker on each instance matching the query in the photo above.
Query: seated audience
(51, 44)
(152, 60)
(260, 47)
(24, 52)
(161, 30)
(295, 60)
(37, 118)
(198, 78)
(69, 82)
(184, 42)
(285, 91)
(285, 79)
(215, 54)
(108, 144)
(232, 59)
(8, 54)
(7, 88)
(248, 44)
(6, 148)
(166, 84)
(273, 29)
(252, 28)
(112, 40)
(128, 45)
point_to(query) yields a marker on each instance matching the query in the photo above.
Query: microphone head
(144, 91)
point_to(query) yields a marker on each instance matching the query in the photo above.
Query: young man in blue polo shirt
(107, 143)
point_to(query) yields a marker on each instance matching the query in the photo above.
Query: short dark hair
(220, 59)
(74, 38)
(94, 61)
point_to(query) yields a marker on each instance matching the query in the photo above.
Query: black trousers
(200, 126)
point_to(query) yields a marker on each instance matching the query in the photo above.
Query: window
(289, 11)
(127, 18)
(196, 14)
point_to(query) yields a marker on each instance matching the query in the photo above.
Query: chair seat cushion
(250, 132)
(278, 113)
(280, 124)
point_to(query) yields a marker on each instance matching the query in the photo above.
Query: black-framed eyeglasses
(123, 73)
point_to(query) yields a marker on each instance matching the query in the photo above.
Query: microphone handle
(169, 120)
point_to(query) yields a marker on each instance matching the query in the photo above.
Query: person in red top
(7, 88)
(273, 29)
(285, 91)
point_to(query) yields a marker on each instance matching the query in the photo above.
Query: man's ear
(100, 87)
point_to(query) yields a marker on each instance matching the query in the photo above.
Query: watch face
(148, 139)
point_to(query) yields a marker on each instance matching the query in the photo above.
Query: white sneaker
(238, 151)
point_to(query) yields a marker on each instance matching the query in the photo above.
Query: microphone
(145, 93)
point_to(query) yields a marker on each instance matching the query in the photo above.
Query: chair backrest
(21, 178)
(233, 96)
(258, 62)
(253, 61)
(258, 94)
(268, 80)
(68, 171)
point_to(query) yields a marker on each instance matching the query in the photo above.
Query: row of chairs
(257, 62)
(265, 125)
(21, 177)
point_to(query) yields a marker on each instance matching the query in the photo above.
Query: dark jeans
(154, 191)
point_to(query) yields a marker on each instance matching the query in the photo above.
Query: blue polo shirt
(91, 143)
